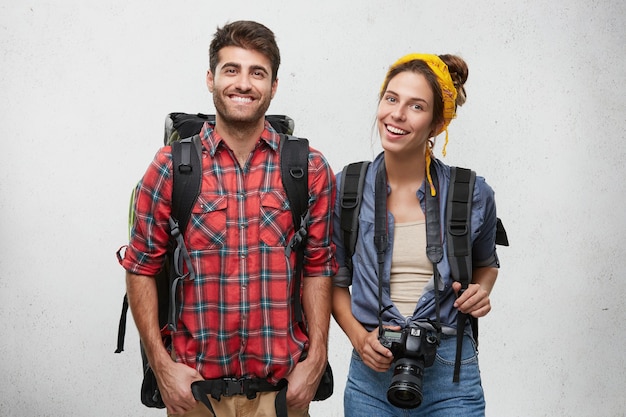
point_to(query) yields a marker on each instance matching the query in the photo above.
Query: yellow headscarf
(449, 98)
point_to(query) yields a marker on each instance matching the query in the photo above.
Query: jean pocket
(446, 353)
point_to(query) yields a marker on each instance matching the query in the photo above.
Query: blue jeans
(366, 389)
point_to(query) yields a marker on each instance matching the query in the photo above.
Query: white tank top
(410, 267)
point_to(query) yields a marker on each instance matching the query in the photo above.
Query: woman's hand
(373, 353)
(475, 299)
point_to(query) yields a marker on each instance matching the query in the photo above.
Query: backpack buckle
(299, 236)
(233, 386)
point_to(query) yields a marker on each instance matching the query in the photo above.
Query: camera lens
(405, 390)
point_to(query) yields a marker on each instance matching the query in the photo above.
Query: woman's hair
(248, 35)
(458, 70)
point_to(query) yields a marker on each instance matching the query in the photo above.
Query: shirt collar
(212, 140)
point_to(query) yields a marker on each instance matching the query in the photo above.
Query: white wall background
(85, 87)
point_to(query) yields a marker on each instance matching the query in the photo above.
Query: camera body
(411, 342)
(414, 348)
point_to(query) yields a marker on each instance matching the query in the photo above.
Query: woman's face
(405, 114)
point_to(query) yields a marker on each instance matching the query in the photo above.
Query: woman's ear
(436, 129)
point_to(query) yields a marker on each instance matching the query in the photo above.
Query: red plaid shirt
(236, 318)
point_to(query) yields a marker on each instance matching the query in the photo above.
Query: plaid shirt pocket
(208, 222)
(275, 219)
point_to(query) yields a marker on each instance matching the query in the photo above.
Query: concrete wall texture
(85, 87)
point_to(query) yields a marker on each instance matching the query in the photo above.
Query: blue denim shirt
(365, 280)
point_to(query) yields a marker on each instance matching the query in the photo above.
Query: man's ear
(274, 87)
(209, 81)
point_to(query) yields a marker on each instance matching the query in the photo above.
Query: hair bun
(458, 72)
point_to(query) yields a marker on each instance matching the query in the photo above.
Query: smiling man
(236, 327)
(243, 84)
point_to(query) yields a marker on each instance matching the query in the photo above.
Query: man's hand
(175, 385)
(303, 382)
(174, 379)
(306, 375)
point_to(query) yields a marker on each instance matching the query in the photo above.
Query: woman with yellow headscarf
(402, 311)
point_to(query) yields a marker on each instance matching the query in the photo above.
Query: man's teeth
(396, 130)
(242, 99)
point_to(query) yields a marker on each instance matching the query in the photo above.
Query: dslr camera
(413, 348)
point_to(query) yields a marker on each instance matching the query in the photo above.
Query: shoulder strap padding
(294, 162)
(458, 212)
(187, 178)
(294, 158)
(350, 197)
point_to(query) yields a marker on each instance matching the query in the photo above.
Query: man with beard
(236, 322)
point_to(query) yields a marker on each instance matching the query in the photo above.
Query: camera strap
(434, 247)
(380, 235)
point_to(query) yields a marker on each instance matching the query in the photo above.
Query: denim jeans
(366, 389)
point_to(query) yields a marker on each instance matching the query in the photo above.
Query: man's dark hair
(248, 35)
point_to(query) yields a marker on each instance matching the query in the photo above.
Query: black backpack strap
(121, 327)
(350, 197)
(186, 184)
(458, 222)
(187, 177)
(294, 162)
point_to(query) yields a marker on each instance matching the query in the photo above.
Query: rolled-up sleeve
(150, 230)
(484, 215)
(320, 249)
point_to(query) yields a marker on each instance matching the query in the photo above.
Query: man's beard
(239, 119)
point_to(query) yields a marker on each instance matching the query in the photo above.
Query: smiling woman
(405, 116)
(411, 305)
